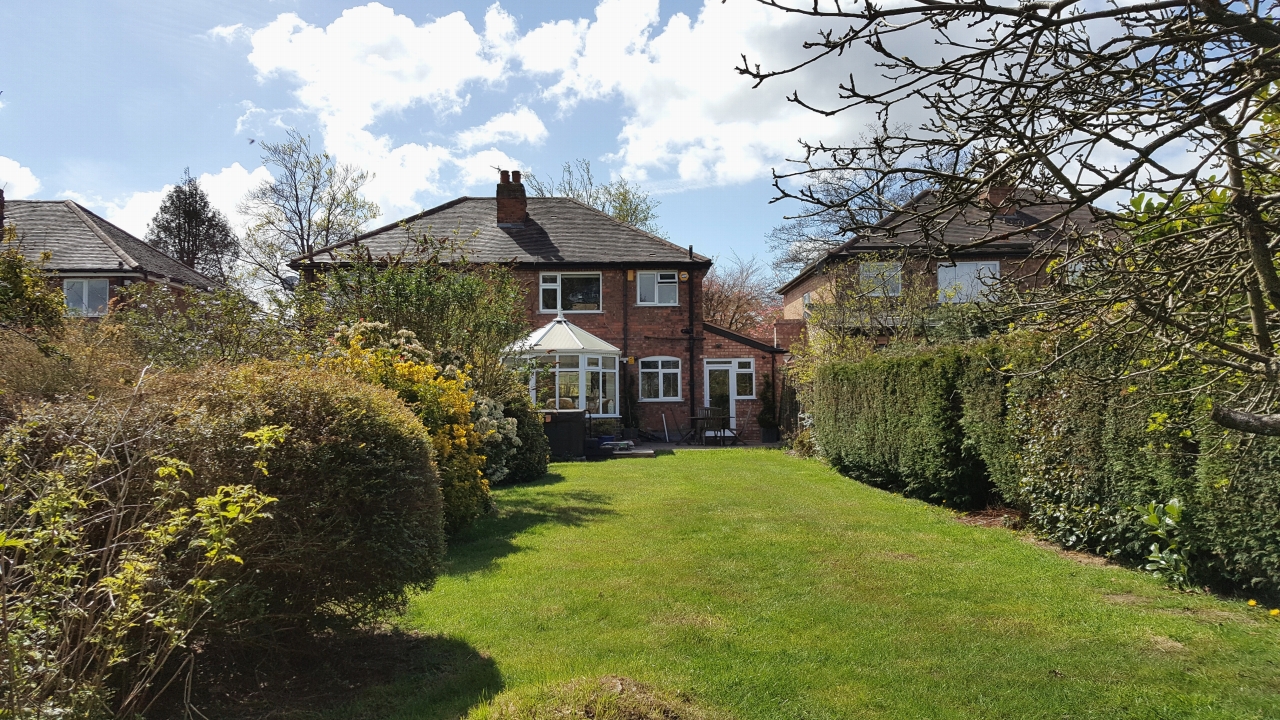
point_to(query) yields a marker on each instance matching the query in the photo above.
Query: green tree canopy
(195, 233)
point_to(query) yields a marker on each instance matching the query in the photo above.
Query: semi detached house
(617, 312)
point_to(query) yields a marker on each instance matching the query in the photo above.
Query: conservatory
(571, 369)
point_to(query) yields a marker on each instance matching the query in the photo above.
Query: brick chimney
(1000, 199)
(1, 210)
(513, 206)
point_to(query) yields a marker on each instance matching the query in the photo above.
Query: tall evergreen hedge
(1083, 457)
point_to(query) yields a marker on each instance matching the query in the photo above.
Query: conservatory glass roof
(562, 336)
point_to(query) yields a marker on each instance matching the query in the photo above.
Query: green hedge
(1082, 457)
(896, 423)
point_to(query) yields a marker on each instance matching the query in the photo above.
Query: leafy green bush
(896, 423)
(359, 517)
(113, 553)
(529, 459)
(1089, 458)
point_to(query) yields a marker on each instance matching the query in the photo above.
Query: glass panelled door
(728, 381)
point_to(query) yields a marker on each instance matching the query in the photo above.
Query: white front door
(727, 382)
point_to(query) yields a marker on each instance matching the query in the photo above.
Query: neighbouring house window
(87, 296)
(807, 303)
(570, 292)
(881, 279)
(576, 382)
(966, 281)
(657, 288)
(660, 378)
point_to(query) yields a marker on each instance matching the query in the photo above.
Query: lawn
(771, 587)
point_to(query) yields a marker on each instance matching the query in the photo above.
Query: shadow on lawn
(493, 537)
(350, 675)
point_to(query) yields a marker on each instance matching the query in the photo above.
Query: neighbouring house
(617, 311)
(90, 258)
(904, 245)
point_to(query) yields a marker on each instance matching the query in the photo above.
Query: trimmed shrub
(233, 501)
(1095, 464)
(359, 518)
(895, 423)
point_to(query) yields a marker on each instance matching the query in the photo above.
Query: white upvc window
(657, 288)
(569, 292)
(660, 379)
(880, 279)
(576, 382)
(807, 304)
(965, 282)
(87, 296)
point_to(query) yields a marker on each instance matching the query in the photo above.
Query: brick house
(91, 258)
(621, 309)
(901, 246)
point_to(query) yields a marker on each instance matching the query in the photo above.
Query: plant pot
(769, 435)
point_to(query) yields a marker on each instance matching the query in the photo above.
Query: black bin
(566, 433)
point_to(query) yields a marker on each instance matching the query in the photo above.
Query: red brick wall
(746, 411)
(650, 332)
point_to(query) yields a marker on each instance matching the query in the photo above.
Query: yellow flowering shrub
(443, 400)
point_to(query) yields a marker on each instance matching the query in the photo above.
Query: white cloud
(521, 126)
(690, 114)
(371, 62)
(18, 181)
(133, 213)
(227, 33)
(690, 119)
(481, 169)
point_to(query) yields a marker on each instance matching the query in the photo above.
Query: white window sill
(640, 304)
(571, 312)
(661, 400)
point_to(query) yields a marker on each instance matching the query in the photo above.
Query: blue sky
(106, 102)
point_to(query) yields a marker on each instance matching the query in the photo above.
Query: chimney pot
(504, 177)
(1001, 199)
(515, 176)
(513, 206)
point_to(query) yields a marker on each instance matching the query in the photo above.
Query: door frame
(731, 366)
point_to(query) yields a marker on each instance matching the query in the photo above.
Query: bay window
(660, 378)
(570, 292)
(657, 288)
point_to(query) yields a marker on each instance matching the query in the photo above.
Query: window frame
(733, 366)
(559, 285)
(658, 283)
(978, 295)
(660, 372)
(81, 308)
(879, 280)
(582, 369)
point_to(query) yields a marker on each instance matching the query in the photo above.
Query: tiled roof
(80, 241)
(559, 230)
(901, 232)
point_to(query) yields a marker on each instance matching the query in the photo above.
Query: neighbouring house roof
(78, 241)
(899, 232)
(560, 335)
(741, 339)
(558, 231)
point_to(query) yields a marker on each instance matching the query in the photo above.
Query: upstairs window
(966, 281)
(570, 292)
(660, 378)
(86, 296)
(880, 279)
(657, 288)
